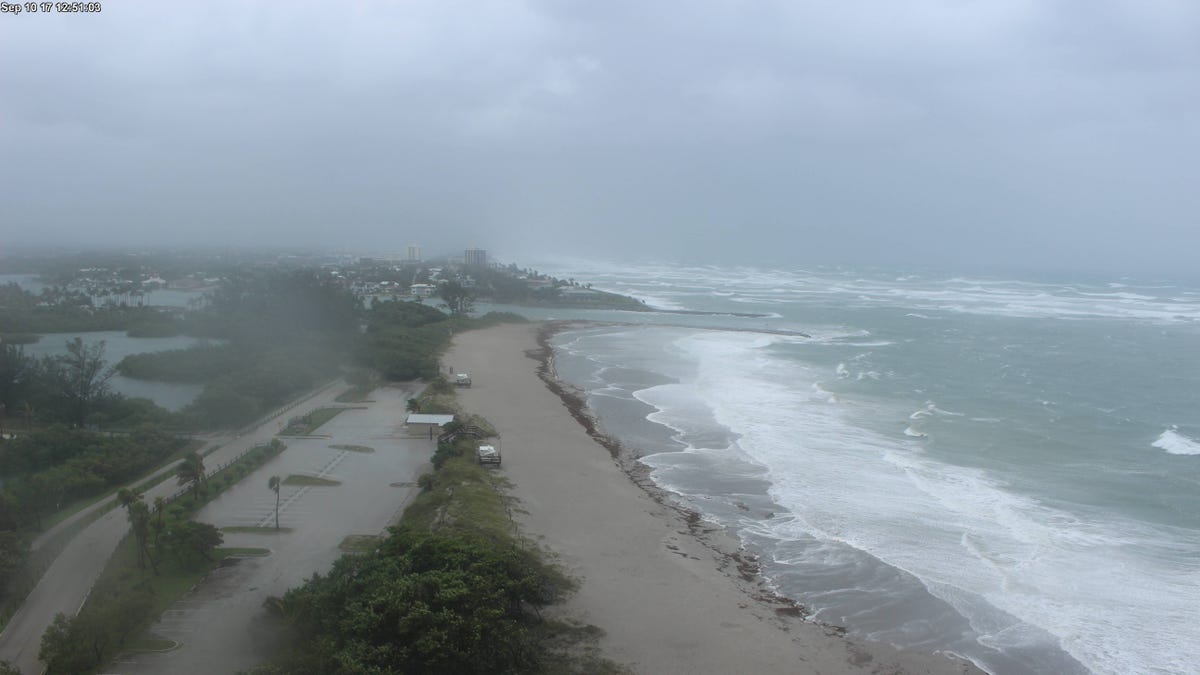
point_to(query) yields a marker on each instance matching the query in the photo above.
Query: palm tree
(139, 519)
(274, 483)
(160, 505)
(191, 471)
(414, 406)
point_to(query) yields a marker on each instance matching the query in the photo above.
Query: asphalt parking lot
(219, 624)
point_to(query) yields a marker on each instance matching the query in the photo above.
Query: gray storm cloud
(1055, 135)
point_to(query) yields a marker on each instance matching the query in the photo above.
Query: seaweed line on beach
(744, 562)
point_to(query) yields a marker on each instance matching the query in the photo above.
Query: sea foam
(1018, 570)
(1176, 443)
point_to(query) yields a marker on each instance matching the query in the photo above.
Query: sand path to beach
(667, 601)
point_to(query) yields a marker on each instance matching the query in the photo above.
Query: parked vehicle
(489, 454)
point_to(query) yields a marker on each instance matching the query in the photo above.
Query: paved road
(67, 581)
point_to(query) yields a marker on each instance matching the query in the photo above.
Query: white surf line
(329, 466)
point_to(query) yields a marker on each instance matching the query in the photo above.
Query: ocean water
(1005, 469)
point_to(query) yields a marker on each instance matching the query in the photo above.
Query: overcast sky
(989, 133)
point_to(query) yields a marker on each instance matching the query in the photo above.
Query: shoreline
(706, 533)
(670, 591)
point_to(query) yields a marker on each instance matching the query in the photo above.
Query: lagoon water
(118, 345)
(1006, 469)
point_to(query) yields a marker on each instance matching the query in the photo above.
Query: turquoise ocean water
(1005, 469)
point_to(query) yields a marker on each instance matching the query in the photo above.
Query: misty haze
(564, 337)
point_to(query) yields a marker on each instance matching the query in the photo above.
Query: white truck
(462, 380)
(489, 454)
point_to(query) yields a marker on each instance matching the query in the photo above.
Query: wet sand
(671, 593)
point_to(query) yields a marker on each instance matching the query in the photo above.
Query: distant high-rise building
(475, 257)
(414, 253)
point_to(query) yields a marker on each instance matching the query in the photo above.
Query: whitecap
(1176, 443)
(935, 409)
(909, 431)
(931, 409)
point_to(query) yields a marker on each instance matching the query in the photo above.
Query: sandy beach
(672, 595)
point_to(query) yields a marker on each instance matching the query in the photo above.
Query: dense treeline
(53, 461)
(269, 379)
(264, 309)
(71, 388)
(403, 339)
(194, 364)
(57, 310)
(284, 333)
(46, 469)
(513, 285)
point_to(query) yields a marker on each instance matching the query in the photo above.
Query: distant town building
(475, 257)
(422, 290)
(414, 253)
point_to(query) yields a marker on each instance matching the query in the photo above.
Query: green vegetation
(57, 309)
(119, 609)
(360, 543)
(71, 388)
(459, 299)
(423, 603)
(50, 470)
(281, 333)
(515, 286)
(163, 557)
(453, 588)
(284, 333)
(298, 479)
(403, 339)
(195, 364)
(401, 350)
